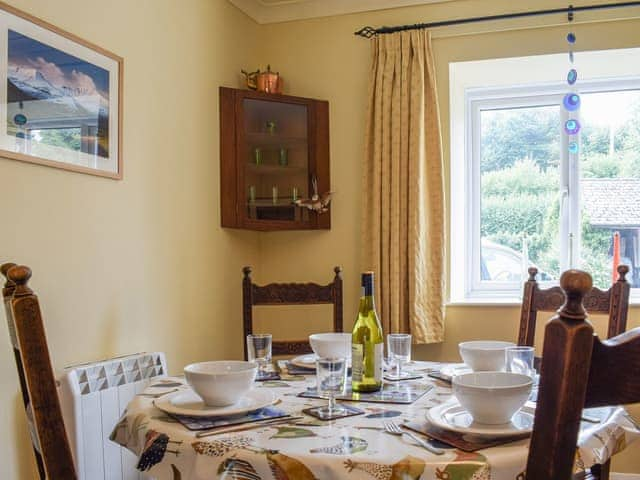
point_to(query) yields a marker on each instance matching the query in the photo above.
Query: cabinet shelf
(269, 203)
(275, 169)
(268, 140)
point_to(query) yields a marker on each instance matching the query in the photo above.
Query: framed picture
(60, 98)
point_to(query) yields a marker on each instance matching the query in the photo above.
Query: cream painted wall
(139, 264)
(321, 58)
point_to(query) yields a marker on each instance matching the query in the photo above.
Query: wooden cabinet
(272, 147)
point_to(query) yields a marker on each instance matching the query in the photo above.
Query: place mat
(438, 375)
(347, 411)
(267, 375)
(285, 366)
(463, 441)
(205, 423)
(405, 394)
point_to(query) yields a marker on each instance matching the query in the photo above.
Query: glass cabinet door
(276, 160)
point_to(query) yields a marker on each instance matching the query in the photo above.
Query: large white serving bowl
(221, 383)
(492, 397)
(484, 355)
(331, 345)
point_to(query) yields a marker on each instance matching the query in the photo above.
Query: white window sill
(634, 301)
(486, 302)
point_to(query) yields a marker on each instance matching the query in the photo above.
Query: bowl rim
(475, 345)
(326, 335)
(529, 382)
(249, 366)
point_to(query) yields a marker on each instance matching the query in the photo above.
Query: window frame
(466, 285)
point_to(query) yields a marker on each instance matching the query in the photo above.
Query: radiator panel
(93, 398)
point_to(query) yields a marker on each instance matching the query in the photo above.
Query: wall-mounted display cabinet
(272, 147)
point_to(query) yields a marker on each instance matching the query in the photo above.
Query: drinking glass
(259, 351)
(331, 374)
(520, 360)
(399, 348)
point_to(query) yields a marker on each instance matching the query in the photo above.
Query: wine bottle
(366, 343)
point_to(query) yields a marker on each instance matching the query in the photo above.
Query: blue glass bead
(571, 37)
(572, 76)
(19, 119)
(571, 102)
(573, 147)
(572, 126)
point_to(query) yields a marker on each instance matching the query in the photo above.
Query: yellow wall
(321, 58)
(139, 264)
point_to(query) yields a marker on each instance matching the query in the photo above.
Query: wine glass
(331, 374)
(259, 351)
(399, 348)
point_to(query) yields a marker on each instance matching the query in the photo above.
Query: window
(524, 201)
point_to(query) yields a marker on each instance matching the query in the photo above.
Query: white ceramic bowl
(331, 345)
(492, 397)
(221, 383)
(484, 355)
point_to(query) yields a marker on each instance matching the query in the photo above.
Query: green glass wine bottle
(366, 343)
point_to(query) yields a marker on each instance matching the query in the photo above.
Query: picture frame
(60, 98)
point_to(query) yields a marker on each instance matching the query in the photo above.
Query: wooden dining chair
(37, 382)
(290, 294)
(613, 302)
(578, 371)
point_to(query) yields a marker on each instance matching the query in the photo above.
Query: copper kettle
(268, 82)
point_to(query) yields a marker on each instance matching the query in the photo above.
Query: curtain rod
(368, 32)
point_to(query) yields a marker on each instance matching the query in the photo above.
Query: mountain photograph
(56, 98)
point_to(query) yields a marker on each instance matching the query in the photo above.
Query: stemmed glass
(399, 348)
(259, 351)
(331, 374)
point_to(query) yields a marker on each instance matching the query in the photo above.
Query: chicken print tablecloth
(353, 448)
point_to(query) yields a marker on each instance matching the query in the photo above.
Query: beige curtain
(403, 225)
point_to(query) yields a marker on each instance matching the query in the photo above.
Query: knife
(247, 426)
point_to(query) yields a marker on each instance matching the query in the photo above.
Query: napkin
(464, 441)
(205, 423)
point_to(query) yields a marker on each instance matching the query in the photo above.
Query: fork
(157, 395)
(395, 429)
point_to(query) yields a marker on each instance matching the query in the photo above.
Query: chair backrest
(37, 381)
(290, 294)
(613, 302)
(578, 371)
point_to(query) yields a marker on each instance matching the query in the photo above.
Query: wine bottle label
(357, 357)
(378, 361)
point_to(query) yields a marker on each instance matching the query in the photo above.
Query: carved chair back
(613, 302)
(37, 382)
(578, 371)
(290, 294)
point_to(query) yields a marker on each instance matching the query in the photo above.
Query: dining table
(351, 448)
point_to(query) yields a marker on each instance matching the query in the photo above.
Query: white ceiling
(271, 11)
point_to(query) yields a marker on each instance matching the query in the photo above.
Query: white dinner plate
(305, 361)
(454, 369)
(187, 402)
(309, 361)
(451, 416)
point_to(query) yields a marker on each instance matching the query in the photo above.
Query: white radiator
(93, 396)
